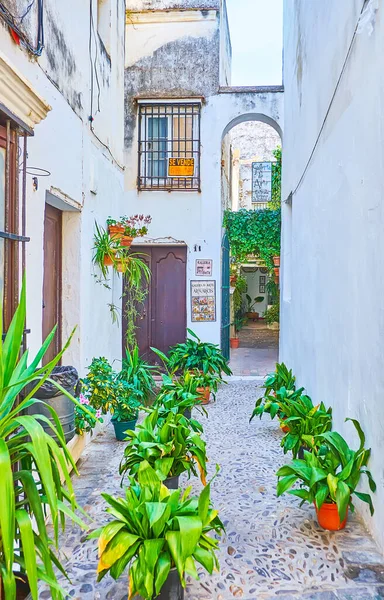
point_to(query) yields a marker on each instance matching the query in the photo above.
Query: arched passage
(251, 148)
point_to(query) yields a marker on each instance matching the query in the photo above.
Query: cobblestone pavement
(272, 548)
(258, 352)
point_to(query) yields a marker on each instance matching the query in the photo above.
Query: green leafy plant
(137, 372)
(280, 378)
(273, 291)
(240, 289)
(276, 179)
(272, 314)
(330, 473)
(86, 416)
(178, 395)
(30, 465)
(251, 302)
(254, 232)
(305, 421)
(156, 530)
(274, 403)
(195, 354)
(238, 323)
(207, 380)
(108, 391)
(104, 249)
(134, 226)
(171, 448)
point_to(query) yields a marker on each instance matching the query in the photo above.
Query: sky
(257, 39)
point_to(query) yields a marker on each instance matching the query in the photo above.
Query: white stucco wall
(83, 173)
(332, 325)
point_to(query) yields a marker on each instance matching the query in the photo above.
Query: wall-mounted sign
(181, 167)
(262, 182)
(204, 267)
(203, 300)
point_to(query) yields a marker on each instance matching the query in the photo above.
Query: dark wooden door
(163, 320)
(52, 278)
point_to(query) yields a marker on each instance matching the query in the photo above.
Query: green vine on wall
(276, 179)
(254, 232)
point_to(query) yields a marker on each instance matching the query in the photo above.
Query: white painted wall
(78, 163)
(332, 325)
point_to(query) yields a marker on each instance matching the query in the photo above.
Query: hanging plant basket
(108, 262)
(116, 231)
(126, 241)
(121, 266)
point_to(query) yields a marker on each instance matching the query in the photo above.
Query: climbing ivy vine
(276, 179)
(255, 232)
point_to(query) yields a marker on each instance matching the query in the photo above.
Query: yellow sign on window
(181, 167)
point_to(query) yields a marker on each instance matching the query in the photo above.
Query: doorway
(163, 321)
(52, 281)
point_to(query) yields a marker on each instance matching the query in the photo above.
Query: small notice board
(181, 167)
(203, 299)
(204, 267)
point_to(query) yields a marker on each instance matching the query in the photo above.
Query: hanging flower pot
(121, 266)
(116, 231)
(126, 241)
(328, 517)
(108, 262)
(276, 261)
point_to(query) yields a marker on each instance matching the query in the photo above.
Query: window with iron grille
(169, 146)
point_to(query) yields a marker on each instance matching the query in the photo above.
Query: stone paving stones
(272, 548)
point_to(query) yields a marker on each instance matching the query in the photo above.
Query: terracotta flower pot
(254, 316)
(233, 279)
(108, 262)
(234, 342)
(328, 517)
(276, 271)
(276, 261)
(284, 428)
(120, 266)
(117, 231)
(126, 241)
(204, 393)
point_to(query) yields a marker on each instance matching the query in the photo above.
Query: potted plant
(238, 324)
(206, 384)
(105, 250)
(31, 464)
(328, 477)
(128, 228)
(251, 314)
(195, 354)
(276, 260)
(160, 534)
(171, 448)
(108, 392)
(274, 382)
(86, 419)
(272, 316)
(115, 228)
(179, 396)
(138, 373)
(304, 422)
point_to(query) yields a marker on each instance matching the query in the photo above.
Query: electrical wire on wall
(15, 23)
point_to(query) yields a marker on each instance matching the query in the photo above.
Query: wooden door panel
(163, 320)
(52, 278)
(169, 297)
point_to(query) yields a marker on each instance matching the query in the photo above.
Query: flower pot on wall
(276, 261)
(116, 231)
(121, 427)
(126, 241)
(108, 262)
(328, 517)
(234, 342)
(276, 271)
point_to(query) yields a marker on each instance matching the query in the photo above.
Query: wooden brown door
(164, 316)
(52, 278)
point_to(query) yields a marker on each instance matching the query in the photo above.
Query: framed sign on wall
(203, 267)
(203, 301)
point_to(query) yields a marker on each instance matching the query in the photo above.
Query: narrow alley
(272, 548)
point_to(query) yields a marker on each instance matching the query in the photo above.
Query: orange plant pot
(126, 241)
(276, 271)
(117, 231)
(108, 262)
(284, 428)
(328, 517)
(234, 342)
(276, 261)
(204, 393)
